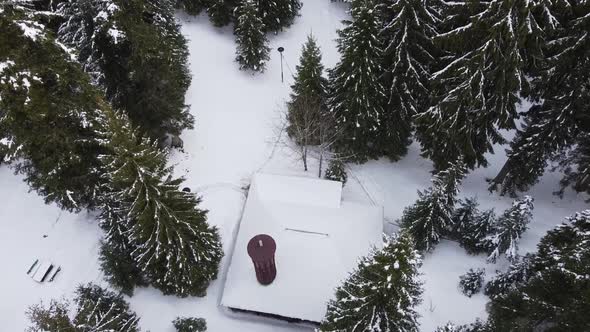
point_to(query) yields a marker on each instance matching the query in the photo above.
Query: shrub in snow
(381, 293)
(431, 216)
(336, 171)
(96, 309)
(471, 282)
(190, 324)
(252, 50)
(509, 228)
(556, 294)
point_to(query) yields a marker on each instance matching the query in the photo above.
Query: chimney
(261, 249)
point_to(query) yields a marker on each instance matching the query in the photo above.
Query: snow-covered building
(318, 239)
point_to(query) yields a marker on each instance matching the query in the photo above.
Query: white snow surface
(233, 139)
(317, 245)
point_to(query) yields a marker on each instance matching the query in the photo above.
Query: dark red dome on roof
(261, 249)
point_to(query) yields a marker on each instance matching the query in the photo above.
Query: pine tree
(252, 50)
(556, 296)
(430, 217)
(356, 95)
(140, 63)
(48, 122)
(509, 228)
(478, 90)
(309, 86)
(408, 58)
(192, 7)
(189, 324)
(552, 127)
(97, 309)
(382, 292)
(475, 235)
(463, 216)
(221, 11)
(277, 14)
(163, 229)
(519, 272)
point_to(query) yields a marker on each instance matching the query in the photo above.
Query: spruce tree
(430, 217)
(309, 87)
(554, 125)
(509, 228)
(356, 94)
(192, 7)
(409, 55)
(163, 229)
(134, 50)
(277, 14)
(477, 92)
(252, 44)
(475, 235)
(336, 171)
(221, 12)
(556, 296)
(49, 116)
(464, 215)
(517, 274)
(471, 282)
(381, 293)
(96, 309)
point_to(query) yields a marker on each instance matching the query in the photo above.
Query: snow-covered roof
(318, 238)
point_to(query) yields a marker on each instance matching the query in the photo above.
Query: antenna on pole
(281, 49)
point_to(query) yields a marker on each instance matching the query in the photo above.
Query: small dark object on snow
(471, 282)
(186, 189)
(261, 249)
(44, 235)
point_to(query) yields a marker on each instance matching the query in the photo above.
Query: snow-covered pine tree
(509, 228)
(140, 63)
(479, 88)
(221, 12)
(356, 94)
(463, 216)
(409, 27)
(430, 217)
(97, 309)
(252, 44)
(518, 273)
(277, 14)
(474, 236)
(189, 324)
(170, 240)
(382, 292)
(557, 294)
(554, 126)
(309, 86)
(47, 132)
(192, 7)
(471, 282)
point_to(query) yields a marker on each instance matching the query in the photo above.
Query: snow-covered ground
(236, 115)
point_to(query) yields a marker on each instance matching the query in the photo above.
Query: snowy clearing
(232, 140)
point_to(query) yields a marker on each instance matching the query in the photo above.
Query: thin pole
(282, 81)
